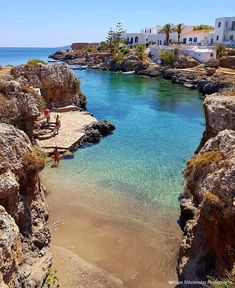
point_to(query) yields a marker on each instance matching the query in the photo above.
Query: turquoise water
(115, 204)
(17, 56)
(158, 127)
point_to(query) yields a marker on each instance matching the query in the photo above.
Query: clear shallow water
(158, 127)
(116, 203)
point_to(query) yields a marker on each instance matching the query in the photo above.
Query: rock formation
(19, 105)
(59, 86)
(208, 200)
(25, 237)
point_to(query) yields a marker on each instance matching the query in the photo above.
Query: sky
(55, 23)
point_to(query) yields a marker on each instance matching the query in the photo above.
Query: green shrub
(140, 51)
(119, 57)
(34, 62)
(125, 50)
(203, 27)
(220, 50)
(167, 56)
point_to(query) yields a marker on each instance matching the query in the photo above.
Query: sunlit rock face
(208, 200)
(25, 237)
(58, 84)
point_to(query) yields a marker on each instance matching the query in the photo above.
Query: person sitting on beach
(47, 115)
(56, 156)
(57, 124)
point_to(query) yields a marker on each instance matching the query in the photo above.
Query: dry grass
(205, 159)
(32, 163)
(34, 62)
(211, 199)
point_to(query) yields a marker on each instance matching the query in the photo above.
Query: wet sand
(126, 237)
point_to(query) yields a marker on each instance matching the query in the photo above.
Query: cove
(115, 204)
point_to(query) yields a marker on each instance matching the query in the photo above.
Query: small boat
(53, 61)
(128, 72)
(79, 67)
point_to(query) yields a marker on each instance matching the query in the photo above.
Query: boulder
(96, 130)
(183, 61)
(227, 62)
(58, 84)
(210, 71)
(213, 63)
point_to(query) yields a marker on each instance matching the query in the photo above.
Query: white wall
(199, 38)
(202, 55)
(225, 30)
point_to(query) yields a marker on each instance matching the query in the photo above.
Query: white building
(146, 35)
(200, 54)
(161, 37)
(198, 37)
(225, 31)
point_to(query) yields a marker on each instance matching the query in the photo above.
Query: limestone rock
(183, 61)
(18, 106)
(207, 211)
(59, 85)
(213, 63)
(24, 233)
(227, 62)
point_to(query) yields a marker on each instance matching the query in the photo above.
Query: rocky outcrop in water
(59, 86)
(208, 200)
(95, 131)
(25, 237)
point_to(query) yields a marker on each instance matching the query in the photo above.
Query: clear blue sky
(53, 23)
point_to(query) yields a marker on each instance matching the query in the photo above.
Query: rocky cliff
(208, 200)
(20, 103)
(59, 86)
(25, 237)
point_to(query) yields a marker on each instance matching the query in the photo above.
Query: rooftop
(195, 32)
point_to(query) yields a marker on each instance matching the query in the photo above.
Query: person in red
(56, 156)
(47, 115)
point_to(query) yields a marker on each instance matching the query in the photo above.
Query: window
(190, 40)
(231, 38)
(211, 55)
(226, 24)
(150, 31)
(136, 39)
(195, 39)
(217, 38)
(184, 40)
(219, 24)
(233, 25)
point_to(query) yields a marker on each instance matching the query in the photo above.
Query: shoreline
(105, 236)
